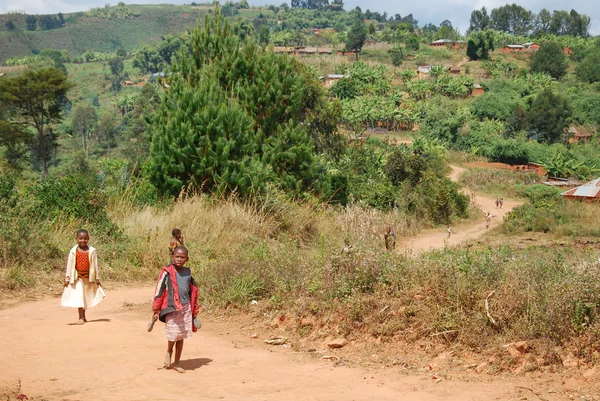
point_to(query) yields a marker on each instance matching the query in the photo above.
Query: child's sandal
(80, 322)
(179, 369)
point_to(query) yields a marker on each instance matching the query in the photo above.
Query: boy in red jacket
(176, 304)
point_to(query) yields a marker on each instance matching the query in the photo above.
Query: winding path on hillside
(433, 239)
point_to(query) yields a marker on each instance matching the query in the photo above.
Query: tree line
(516, 20)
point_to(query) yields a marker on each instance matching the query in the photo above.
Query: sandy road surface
(439, 238)
(112, 357)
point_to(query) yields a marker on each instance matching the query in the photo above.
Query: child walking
(82, 279)
(176, 240)
(176, 304)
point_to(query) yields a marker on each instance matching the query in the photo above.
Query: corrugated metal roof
(515, 46)
(588, 190)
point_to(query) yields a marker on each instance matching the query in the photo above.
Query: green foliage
(397, 55)
(549, 59)
(244, 133)
(412, 42)
(480, 44)
(442, 121)
(120, 12)
(356, 37)
(589, 69)
(85, 123)
(116, 65)
(496, 104)
(548, 117)
(36, 99)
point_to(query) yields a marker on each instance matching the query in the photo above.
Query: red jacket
(166, 295)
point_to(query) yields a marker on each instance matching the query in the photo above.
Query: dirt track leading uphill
(439, 238)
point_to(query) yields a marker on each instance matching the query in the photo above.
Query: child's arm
(160, 292)
(95, 261)
(70, 266)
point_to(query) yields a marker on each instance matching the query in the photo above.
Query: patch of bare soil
(113, 357)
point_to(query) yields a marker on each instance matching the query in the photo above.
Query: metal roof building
(589, 191)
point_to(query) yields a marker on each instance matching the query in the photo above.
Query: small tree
(589, 69)
(85, 122)
(551, 59)
(396, 54)
(36, 99)
(9, 25)
(480, 44)
(372, 29)
(412, 42)
(31, 22)
(548, 117)
(116, 65)
(264, 34)
(356, 37)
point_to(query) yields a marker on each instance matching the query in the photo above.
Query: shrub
(549, 59)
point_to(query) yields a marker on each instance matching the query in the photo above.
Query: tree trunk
(42, 146)
(356, 54)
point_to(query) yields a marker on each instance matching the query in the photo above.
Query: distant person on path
(176, 304)
(488, 217)
(501, 202)
(82, 279)
(497, 203)
(176, 240)
(449, 231)
(389, 237)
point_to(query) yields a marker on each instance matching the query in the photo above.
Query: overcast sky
(425, 11)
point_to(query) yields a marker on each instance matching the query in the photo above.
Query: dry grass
(503, 183)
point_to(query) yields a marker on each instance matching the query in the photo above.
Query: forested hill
(103, 30)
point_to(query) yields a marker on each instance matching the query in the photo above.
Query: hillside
(82, 32)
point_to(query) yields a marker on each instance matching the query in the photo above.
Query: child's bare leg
(178, 351)
(170, 345)
(81, 312)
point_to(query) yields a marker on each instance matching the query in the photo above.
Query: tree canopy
(234, 119)
(36, 99)
(549, 59)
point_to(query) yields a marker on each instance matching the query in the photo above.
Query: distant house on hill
(284, 50)
(589, 191)
(156, 76)
(307, 50)
(453, 44)
(531, 46)
(127, 83)
(454, 70)
(423, 70)
(329, 80)
(477, 90)
(513, 48)
(441, 42)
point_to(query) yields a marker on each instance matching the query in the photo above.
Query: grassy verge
(288, 256)
(500, 183)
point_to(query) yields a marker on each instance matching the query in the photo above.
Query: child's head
(176, 232)
(389, 229)
(180, 256)
(82, 238)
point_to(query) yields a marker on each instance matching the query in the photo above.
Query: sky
(425, 11)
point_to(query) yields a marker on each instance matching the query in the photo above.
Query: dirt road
(112, 357)
(461, 233)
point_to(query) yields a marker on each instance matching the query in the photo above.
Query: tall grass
(503, 183)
